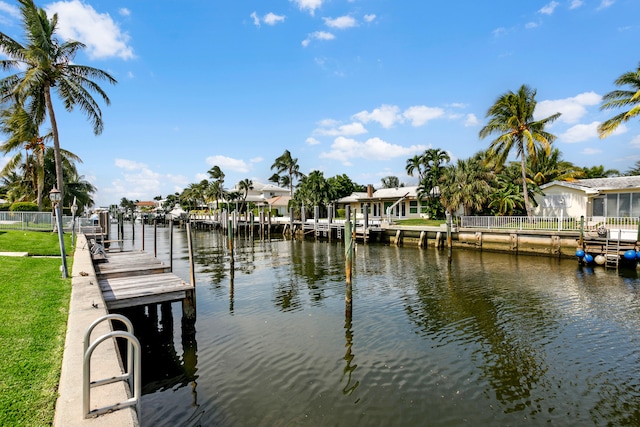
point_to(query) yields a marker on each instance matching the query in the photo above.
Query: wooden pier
(134, 278)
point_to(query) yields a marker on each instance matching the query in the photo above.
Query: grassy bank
(34, 303)
(420, 221)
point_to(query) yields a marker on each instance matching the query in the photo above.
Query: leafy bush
(24, 207)
(5, 206)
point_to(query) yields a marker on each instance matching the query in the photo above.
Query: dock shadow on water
(490, 339)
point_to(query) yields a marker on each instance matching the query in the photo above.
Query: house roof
(599, 184)
(279, 201)
(146, 204)
(353, 197)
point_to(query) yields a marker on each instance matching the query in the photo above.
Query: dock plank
(152, 288)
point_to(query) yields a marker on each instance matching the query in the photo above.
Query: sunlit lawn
(420, 221)
(34, 304)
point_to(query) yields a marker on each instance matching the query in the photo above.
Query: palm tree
(217, 186)
(46, 64)
(511, 118)
(244, 186)
(546, 167)
(285, 163)
(415, 163)
(621, 99)
(465, 184)
(601, 172)
(23, 133)
(635, 170)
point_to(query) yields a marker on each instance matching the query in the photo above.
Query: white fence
(40, 221)
(547, 223)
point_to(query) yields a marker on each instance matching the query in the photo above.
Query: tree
(244, 186)
(46, 64)
(549, 166)
(313, 191)
(416, 164)
(216, 190)
(599, 172)
(285, 163)
(635, 170)
(621, 99)
(22, 133)
(342, 186)
(432, 159)
(465, 184)
(511, 118)
(391, 182)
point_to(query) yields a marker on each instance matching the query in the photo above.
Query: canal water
(492, 339)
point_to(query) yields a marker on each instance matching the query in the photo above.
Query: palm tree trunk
(525, 191)
(56, 142)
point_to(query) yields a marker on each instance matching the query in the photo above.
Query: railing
(38, 221)
(547, 223)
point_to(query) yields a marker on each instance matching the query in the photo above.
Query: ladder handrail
(132, 374)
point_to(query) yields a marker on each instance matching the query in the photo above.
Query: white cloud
(308, 5)
(129, 164)
(531, 25)
(341, 22)
(576, 4)
(256, 18)
(471, 120)
(370, 17)
(101, 35)
(581, 132)
(635, 142)
(549, 8)
(572, 109)
(273, 19)
(591, 151)
(605, 4)
(11, 10)
(386, 115)
(318, 35)
(498, 32)
(228, 163)
(346, 149)
(312, 141)
(354, 128)
(124, 11)
(139, 182)
(420, 114)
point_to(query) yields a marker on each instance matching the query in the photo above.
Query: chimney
(369, 191)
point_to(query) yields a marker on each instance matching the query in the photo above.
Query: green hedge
(24, 207)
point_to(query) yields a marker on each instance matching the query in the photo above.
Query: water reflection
(491, 338)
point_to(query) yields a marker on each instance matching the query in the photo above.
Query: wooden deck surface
(135, 278)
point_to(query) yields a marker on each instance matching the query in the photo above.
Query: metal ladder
(612, 251)
(131, 376)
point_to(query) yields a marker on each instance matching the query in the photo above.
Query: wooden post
(155, 239)
(638, 236)
(171, 246)
(348, 251)
(142, 222)
(581, 241)
(316, 213)
(189, 302)
(366, 222)
(449, 237)
(133, 227)
(251, 223)
(230, 239)
(269, 223)
(291, 222)
(353, 229)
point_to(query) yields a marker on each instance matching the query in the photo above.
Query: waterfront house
(268, 196)
(617, 197)
(386, 203)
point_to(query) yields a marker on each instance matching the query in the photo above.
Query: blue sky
(348, 86)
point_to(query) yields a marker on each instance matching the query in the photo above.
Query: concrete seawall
(531, 242)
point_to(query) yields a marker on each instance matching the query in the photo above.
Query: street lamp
(74, 210)
(56, 197)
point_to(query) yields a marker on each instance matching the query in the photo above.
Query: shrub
(5, 206)
(24, 207)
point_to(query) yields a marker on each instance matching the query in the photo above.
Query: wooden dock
(135, 278)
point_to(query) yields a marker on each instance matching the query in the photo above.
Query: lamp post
(55, 197)
(74, 210)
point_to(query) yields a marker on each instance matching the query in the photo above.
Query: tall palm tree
(390, 182)
(217, 186)
(46, 64)
(511, 119)
(621, 99)
(601, 172)
(245, 186)
(288, 164)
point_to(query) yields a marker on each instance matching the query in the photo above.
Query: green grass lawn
(42, 243)
(34, 305)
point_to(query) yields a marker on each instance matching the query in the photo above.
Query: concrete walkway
(85, 307)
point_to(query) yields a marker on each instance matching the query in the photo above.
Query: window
(413, 207)
(598, 206)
